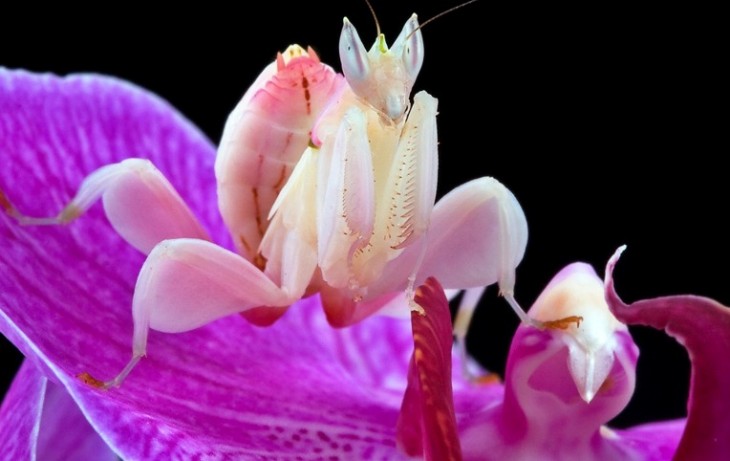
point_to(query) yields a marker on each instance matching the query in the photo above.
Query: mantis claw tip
(89, 380)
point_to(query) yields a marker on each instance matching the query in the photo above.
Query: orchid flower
(562, 385)
(227, 390)
(230, 390)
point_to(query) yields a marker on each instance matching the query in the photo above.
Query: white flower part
(577, 291)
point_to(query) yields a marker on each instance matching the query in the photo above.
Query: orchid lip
(577, 291)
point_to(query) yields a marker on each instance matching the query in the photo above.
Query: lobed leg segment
(140, 203)
(187, 283)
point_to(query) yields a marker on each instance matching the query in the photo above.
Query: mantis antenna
(433, 18)
(375, 17)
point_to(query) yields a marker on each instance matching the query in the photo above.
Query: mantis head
(383, 77)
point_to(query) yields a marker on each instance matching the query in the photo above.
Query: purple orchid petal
(20, 413)
(55, 131)
(296, 387)
(228, 390)
(64, 431)
(427, 423)
(702, 326)
(651, 442)
(39, 420)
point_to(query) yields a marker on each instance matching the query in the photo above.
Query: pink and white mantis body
(327, 184)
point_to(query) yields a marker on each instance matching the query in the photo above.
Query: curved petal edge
(702, 326)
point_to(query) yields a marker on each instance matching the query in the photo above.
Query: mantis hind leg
(187, 283)
(140, 203)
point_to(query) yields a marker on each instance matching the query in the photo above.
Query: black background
(604, 121)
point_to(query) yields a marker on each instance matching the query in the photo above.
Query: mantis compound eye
(353, 56)
(383, 77)
(411, 41)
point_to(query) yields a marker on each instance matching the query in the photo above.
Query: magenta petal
(654, 441)
(246, 392)
(702, 326)
(64, 431)
(61, 281)
(427, 424)
(65, 300)
(54, 131)
(20, 414)
(39, 420)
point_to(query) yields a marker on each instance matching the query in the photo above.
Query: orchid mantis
(327, 184)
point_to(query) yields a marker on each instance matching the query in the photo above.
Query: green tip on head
(382, 44)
